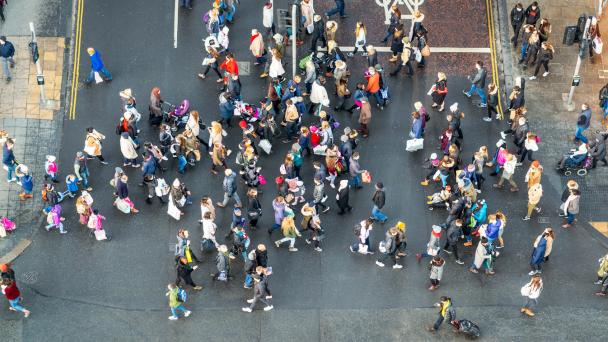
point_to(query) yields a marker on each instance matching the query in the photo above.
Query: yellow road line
(76, 70)
(495, 74)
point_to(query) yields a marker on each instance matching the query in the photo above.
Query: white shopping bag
(265, 145)
(319, 150)
(100, 235)
(173, 211)
(414, 145)
(98, 78)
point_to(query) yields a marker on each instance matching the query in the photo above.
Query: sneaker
(350, 54)
(599, 282)
(187, 313)
(293, 249)
(268, 297)
(364, 54)
(445, 250)
(246, 309)
(466, 94)
(349, 247)
(173, 318)
(459, 262)
(498, 116)
(526, 218)
(64, 232)
(503, 135)
(487, 119)
(532, 78)
(538, 209)
(531, 273)
(482, 105)
(326, 209)
(601, 294)
(104, 162)
(277, 243)
(379, 263)
(12, 180)
(318, 249)
(307, 241)
(197, 288)
(397, 266)
(268, 308)
(545, 74)
(250, 300)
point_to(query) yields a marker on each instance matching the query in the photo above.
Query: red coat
(230, 66)
(12, 292)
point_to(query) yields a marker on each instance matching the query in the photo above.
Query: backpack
(181, 295)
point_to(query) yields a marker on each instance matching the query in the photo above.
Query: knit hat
(433, 156)
(400, 225)
(535, 164)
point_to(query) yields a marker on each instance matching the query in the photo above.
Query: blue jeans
(579, 134)
(378, 96)
(185, 3)
(260, 59)
(378, 215)
(5, 62)
(605, 109)
(248, 280)
(570, 217)
(179, 307)
(444, 179)
(355, 181)
(181, 163)
(524, 47)
(11, 170)
(15, 304)
(84, 174)
(103, 71)
(338, 9)
(480, 92)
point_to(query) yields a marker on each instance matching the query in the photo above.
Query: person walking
(2, 4)
(362, 231)
(602, 276)
(26, 181)
(453, 233)
(517, 20)
(532, 14)
(531, 291)
(394, 21)
(545, 55)
(542, 249)
(571, 208)
(97, 66)
(184, 272)
(436, 267)
(432, 247)
(483, 257)
(259, 294)
(319, 196)
(379, 199)
(390, 246)
(93, 145)
(478, 84)
(354, 169)
(583, 123)
(339, 9)
(176, 302)
(290, 232)
(342, 197)
(8, 159)
(7, 52)
(439, 91)
(13, 295)
(318, 33)
(229, 186)
(492, 102)
(373, 86)
(365, 116)
(507, 173)
(360, 40)
(535, 192)
(446, 311)
(256, 46)
(254, 208)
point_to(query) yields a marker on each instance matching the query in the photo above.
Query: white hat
(225, 29)
(454, 107)
(436, 229)
(254, 31)
(51, 158)
(433, 156)
(127, 93)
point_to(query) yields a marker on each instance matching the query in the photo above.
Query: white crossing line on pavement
(433, 49)
(175, 23)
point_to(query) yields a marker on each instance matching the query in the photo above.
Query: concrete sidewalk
(547, 112)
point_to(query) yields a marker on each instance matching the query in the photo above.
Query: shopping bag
(310, 28)
(426, 51)
(122, 205)
(98, 78)
(319, 150)
(265, 145)
(173, 211)
(366, 177)
(414, 145)
(100, 235)
(597, 45)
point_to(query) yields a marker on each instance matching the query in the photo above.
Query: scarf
(253, 37)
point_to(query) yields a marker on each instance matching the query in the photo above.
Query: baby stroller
(466, 327)
(440, 199)
(176, 116)
(248, 112)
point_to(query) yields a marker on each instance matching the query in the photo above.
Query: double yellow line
(76, 70)
(495, 74)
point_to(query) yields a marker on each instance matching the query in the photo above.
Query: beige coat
(127, 147)
(533, 177)
(365, 116)
(92, 144)
(535, 193)
(307, 12)
(257, 46)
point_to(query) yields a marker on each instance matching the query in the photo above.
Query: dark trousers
(524, 153)
(187, 279)
(410, 70)
(385, 256)
(438, 322)
(545, 64)
(491, 110)
(315, 39)
(214, 67)
(454, 249)
(516, 30)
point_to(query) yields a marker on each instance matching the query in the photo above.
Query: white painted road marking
(175, 20)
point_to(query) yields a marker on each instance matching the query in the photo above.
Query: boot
(529, 312)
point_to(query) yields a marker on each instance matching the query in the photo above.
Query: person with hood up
(342, 197)
(390, 246)
(542, 249)
(128, 150)
(432, 247)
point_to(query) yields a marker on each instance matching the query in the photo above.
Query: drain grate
(544, 219)
(244, 68)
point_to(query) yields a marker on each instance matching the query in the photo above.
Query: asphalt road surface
(80, 289)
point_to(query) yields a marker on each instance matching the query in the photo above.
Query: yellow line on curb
(76, 70)
(495, 74)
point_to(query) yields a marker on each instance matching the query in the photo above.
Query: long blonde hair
(360, 26)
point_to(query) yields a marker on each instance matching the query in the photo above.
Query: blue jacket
(417, 128)
(72, 185)
(226, 110)
(538, 254)
(26, 183)
(96, 62)
(493, 229)
(8, 157)
(149, 167)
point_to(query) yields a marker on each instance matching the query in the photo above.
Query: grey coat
(480, 78)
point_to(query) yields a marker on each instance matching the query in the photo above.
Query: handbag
(122, 205)
(174, 211)
(310, 28)
(366, 177)
(253, 214)
(597, 45)
(100, 235)
(414, 145)
(261, 179)
(382, 247)
(426, 51)
(319, 150)
(208, 61)
(91, 223)
(265, 145)
(525, 290)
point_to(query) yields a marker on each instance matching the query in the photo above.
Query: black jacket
(379, 198)
(261, 258)
(517, 17)
(343, 198)
(397, 45)
(545, 55)
(532, 15)
(453, 233)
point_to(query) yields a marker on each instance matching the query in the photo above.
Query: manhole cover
(244, 68)
(543, 219)
(29, 278)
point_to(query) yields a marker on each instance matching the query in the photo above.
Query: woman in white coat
(360, 40)
(531, 291)
(308, 12)
(193, 125)
(276, 66)
(127, 148)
